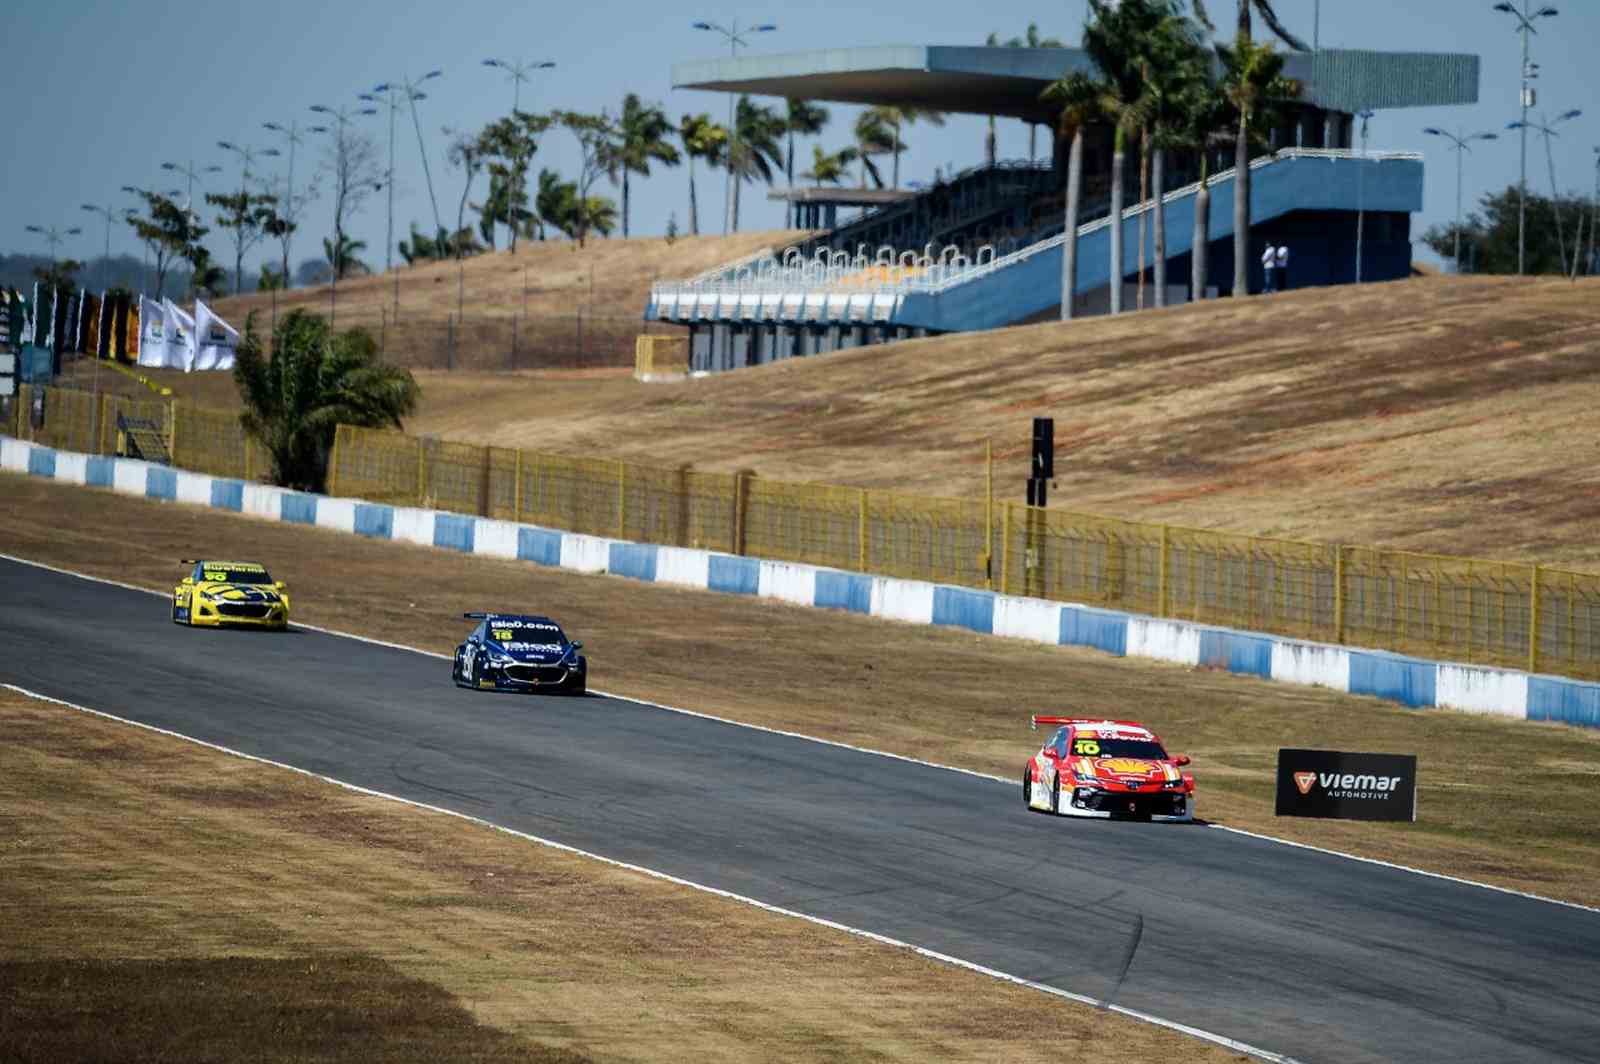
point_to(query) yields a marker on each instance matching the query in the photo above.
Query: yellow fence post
(333, 459)
(1005, 548)
(622, 500)
(740, 490)
(100, 436)
(421, 471)
(1533, 622)
(988, 512)
(172, 432)
(516, 491)
(1338, 593)
(861, 533)
(1161, 584)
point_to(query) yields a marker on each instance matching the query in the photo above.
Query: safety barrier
(1134, 567)
(1479, 612)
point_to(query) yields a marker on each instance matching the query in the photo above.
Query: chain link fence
(1494, 613)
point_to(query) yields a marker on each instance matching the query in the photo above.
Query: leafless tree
(354, 167)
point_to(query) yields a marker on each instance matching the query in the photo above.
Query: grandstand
(981, 248)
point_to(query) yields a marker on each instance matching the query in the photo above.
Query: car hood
(532, 653)
(1127, 769)
(239, 592)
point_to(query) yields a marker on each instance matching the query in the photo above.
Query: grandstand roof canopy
(1007, 81)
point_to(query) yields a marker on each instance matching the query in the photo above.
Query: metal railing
(893, 271)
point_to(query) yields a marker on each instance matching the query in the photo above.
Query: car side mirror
(1181, 760)
(278, 585)
(577, 644)
(187, 580)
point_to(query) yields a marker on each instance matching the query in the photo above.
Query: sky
(99, 93)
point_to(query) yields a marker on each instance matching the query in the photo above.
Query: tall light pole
(1525, 17)
(518, 71)
(54, 238)
(109, 214)
(1361, 193)
(191, 172)
(341, 117)
(1594, 217)
(1461, 148)
(292, 134)
(1548, 129)
(735, 38)
(395, 91)
(248, 155)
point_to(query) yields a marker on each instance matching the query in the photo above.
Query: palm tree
(555, 202)
(1116, 38)
(807, 119)
(1253, 82)
(313, 382)
(756, 152)
(702, 139)
(1175, 62)
(343, 258)
(1244, 36)
(896, 117)
(829, 167)
(1081, 99)
(642, 133)
(1203, 112)
(873, 137)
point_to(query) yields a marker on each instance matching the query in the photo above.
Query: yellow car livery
(230, 593)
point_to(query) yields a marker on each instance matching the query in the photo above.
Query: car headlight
(1173, 785)
(496, 658)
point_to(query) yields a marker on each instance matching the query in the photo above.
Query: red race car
(1106, 768)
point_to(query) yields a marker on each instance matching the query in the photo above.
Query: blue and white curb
(1413, 682)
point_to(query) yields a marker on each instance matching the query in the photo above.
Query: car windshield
(1096, 746)
(234, 574)
(541, 632)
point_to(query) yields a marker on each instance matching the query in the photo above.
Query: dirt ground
(1440, 415)
(160, 901)
(926, 692)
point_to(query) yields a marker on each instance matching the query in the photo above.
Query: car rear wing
(1037, 720)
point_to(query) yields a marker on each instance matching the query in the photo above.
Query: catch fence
(1483, 612)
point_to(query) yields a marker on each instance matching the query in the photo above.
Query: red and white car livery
(1106, 768)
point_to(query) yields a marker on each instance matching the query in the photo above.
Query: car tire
(1027, 788)
(1055, 795)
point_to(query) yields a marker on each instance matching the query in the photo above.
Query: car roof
(520, 618)
(1130, 728)
(213, 563)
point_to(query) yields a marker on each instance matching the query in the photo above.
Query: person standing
(1283, 268)
(1269, 268)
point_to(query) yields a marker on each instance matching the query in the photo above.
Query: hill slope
(1444, 414)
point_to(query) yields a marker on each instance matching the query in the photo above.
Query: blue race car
(519, 652)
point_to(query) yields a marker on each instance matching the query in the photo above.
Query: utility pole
(109, 214)
(518, 71)
(191, 172)
(1460, 147)
(1361, 193)
(1530, 71)
(735, 38)
(1548, 130)
(291, 133)
(393, 90)
(248, 155)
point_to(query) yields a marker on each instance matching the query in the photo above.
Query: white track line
(872, 936)
(879, 753)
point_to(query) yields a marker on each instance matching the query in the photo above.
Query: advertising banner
(152, 334)
(217, 339)
(179, 327)
(1336, 785)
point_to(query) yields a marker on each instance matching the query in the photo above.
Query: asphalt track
(1307, 954)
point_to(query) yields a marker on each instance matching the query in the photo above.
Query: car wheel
(1027, 787)
(1055, 795)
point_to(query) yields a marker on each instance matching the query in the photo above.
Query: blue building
(982, 248)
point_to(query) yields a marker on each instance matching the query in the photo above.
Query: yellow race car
(215, 594)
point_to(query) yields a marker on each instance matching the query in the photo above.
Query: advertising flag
(180, 337)
(152, 334)
(217, 340)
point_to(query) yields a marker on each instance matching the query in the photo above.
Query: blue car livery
(519, 652)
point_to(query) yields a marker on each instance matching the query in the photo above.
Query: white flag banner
(152, 334)
(180, 337)
(217, 340)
